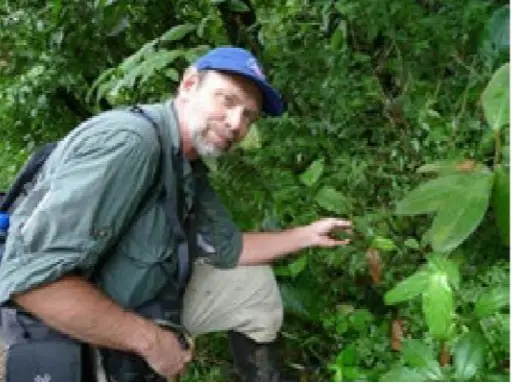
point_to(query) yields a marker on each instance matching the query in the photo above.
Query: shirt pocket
(142, 263)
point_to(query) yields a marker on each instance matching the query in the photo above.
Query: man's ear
(190, 81)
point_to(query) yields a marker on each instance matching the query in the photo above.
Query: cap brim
(273, 103)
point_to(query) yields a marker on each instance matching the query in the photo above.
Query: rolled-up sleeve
(219, 241)
(77, 208)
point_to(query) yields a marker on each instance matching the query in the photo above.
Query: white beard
(198, 129)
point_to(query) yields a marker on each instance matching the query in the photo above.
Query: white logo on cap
(46, 377)
(253, 65)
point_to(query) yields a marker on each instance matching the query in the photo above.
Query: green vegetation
(398, 120)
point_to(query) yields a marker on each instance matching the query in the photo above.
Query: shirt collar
(172, 124)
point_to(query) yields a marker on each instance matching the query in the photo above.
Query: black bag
(37, 353)
(49, 361)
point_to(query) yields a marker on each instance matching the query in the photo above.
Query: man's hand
(165, 355)
(321, 233)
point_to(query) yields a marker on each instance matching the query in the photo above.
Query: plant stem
(498, 147)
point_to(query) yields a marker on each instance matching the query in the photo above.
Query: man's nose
(235, 122)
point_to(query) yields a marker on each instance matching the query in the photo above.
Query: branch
(241, 26)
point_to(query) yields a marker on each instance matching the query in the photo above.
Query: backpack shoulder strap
(26, 175)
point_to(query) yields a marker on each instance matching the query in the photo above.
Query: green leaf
(495, 37)
(505, 322)
(312, 173)
(468, 355)
(439, 263)
(462, 212)
(353, 374)
(501, 203)
(403, 374)
(172, 74)
(441, 166)
(159, 60)
(495, 99)
(177, 33)
(360, 320)
(383, 244)
(337, 39)
(418, 355)
(430, 196)
(492, 301)
(252, 140)
(293, 300)
(238, 6)
(411, 243)
(297, 266)
(505, 155)
(348, 356)
(438, 305)
(332, 200)
(408, 288)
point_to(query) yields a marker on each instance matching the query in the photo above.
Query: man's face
(220, 110)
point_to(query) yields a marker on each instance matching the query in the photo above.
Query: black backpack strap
(179, 221)
(26, 175)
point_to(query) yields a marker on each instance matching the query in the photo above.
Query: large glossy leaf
(430, 196)
(313, 173)
(437, 262)
(418, 355)
(495, 99)
(403, 374)
(332, 200)
(501, 203)
(408, 288)
(461, 214)
(492, 301)
(438, 305)
(468, 355)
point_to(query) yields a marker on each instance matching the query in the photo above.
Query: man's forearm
(77, 308)
(264, 248)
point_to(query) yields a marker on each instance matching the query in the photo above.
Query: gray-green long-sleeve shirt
(89, 190)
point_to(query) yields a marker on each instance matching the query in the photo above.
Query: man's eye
(250, 116)
(229, 100)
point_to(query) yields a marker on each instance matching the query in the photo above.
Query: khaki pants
(244, 299)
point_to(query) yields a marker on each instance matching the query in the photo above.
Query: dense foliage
(398, 120)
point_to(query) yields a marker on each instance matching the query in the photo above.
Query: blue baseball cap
(243, 63)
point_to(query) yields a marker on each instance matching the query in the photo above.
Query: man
(90, 188)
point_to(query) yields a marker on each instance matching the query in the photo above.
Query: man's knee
(265, 317)
(245, 299)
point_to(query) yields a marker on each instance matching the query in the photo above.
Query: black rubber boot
(254, 362)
